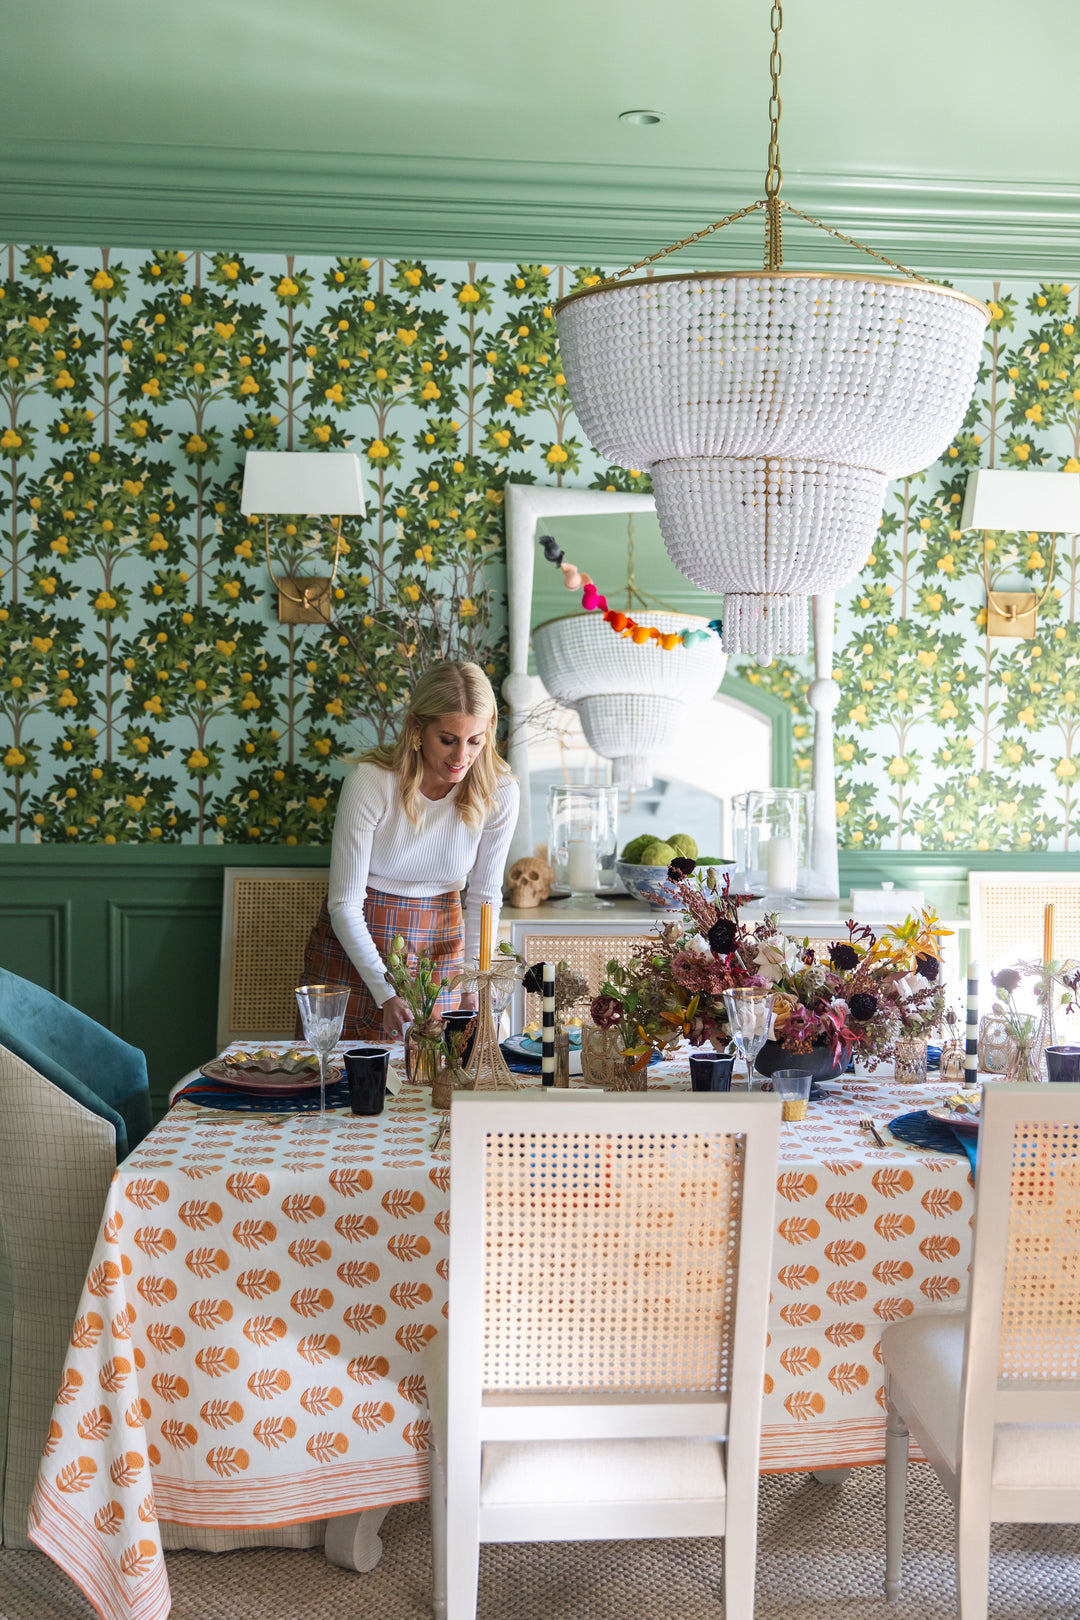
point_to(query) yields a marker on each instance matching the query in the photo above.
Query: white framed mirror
(529, 509)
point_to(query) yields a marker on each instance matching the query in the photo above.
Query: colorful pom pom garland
(622, 624)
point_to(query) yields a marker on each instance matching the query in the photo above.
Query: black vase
(819, 1062)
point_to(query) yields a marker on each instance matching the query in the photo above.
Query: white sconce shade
(302, 482)
(1043, 502)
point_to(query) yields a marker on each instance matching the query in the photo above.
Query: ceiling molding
(123, 194)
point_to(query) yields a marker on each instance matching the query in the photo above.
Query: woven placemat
(207, 1094)
(920, 1130)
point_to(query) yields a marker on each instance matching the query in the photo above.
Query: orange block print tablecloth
(247, 1349)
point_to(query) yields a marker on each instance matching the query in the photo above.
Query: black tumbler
(454, 1023)
(365, 1070)
(711, 1071)
(1063, 1063)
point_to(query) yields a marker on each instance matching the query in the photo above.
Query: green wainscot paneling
(131, 935)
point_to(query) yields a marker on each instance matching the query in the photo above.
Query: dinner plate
(523, 1050)
(268, 1080)
(966, 1124)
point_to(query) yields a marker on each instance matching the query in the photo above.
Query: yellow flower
(468, 608)
(468, 294)
(556, 455)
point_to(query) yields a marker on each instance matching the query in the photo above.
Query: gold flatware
(439, 1134)
(867, 1124)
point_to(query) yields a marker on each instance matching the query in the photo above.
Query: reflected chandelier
(770, 407)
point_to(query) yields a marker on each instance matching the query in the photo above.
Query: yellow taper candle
(1048, 932)
(485, 936)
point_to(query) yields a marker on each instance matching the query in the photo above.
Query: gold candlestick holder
(486, 1067)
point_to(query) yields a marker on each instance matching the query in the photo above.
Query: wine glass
(322, 1013)
(749, 1010)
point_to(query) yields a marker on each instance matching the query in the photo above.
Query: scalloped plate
(268, 1080)
(966, 1124)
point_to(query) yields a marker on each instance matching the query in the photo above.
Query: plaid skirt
(430, 926)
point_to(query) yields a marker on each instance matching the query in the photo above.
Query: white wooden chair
(609, 1267)
(587, 951)
(1007, 914)
(992, 1394)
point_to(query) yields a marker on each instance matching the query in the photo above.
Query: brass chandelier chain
(772, 203)
(774, 175)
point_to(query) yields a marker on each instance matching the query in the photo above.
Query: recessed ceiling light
(641, 115)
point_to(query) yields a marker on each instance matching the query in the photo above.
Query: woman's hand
(467, 1001)
(395, 1016)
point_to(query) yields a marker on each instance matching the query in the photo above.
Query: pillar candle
(971, 1050)
(780, 864)
(1048, 932)
(485, 936)
(547, 1044)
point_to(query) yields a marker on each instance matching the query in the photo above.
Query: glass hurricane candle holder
(773, 829)
(583, 828)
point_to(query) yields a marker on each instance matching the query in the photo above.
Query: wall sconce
(1035, 502)
(309, 484)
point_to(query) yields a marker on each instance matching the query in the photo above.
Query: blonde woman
(416, 820)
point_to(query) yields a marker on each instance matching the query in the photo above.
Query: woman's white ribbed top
(376, 845)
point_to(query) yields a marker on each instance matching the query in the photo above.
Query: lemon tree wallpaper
(147, 692)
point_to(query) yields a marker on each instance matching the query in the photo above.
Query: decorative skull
(528, 882)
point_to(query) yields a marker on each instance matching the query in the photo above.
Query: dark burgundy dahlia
(843, 957)
(863, 1006)
(723, 936)
(606, 1012)
(681, 867)
(927, 967)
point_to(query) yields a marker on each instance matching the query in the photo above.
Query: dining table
(248, 1347)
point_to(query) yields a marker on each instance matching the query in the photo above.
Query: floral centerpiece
(1029, 1034)
(416, 983)
(857, 996)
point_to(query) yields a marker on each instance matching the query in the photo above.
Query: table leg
(352, 1541)
(831, 1476)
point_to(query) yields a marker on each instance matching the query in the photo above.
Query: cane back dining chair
(602, 1374)
(992, 1395)
(267, 914)
(585, 953)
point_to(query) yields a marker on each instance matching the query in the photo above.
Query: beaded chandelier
(631, 700)
(771, 408)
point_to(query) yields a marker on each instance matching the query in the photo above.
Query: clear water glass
(749, 1010)
(322, 1013)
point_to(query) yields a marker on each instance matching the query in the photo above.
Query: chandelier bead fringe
(771, 409)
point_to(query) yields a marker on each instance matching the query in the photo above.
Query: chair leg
(896, 1461)
(972, 1557)
(437, 1509)
(462, 1538)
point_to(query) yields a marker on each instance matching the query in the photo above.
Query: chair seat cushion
(924, 1356)
(590, 1471)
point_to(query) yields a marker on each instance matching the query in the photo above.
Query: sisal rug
(821, 1558)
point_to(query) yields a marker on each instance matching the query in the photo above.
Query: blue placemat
(919, 1130)
(209, 1095)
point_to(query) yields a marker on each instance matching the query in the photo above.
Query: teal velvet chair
(88, 1062)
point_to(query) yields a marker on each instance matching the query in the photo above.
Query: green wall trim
(129, 194)
(775, 709)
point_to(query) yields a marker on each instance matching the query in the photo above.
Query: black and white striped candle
(971, 1050)
(547, 1041)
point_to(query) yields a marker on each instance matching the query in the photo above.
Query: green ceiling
(941, 133)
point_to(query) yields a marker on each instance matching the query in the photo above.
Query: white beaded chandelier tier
(770, 407)
(631, 700)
